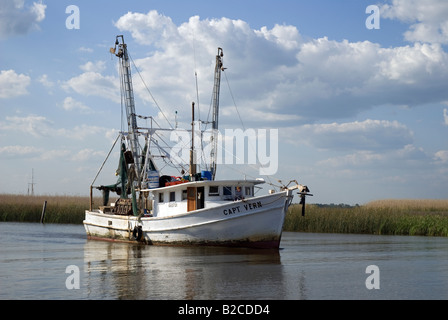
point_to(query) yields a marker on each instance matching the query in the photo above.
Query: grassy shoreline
(387, 217)
(59, 209)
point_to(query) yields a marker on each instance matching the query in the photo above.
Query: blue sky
(362, 113)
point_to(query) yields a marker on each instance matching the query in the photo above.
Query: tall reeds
(387, 217)
(60, 209)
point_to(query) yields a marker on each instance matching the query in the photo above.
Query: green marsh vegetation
(59, 209)
(386, 217)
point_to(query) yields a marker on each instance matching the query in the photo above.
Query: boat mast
(127, 90)
(192, 151)
(216, 89)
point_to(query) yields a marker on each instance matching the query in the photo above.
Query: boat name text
(246, 207)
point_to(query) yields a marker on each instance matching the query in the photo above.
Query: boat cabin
(190, 196)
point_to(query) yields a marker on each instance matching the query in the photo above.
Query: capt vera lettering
(245, 207)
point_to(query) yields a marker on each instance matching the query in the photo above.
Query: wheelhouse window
(184, 195)
(238, 193)
(161, 197)
(227, 191)
(248, 191)
(213, 191)
(172, 196)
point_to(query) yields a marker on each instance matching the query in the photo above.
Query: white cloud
(441, 156)
(428, 18)
(393, 160)
(45, 81)
(87, 154)
(13, 84)
(84, 131)
(275, 72)
(94, 84)
(55, 154)
(254, 56)
(37, 126)
(84, 49)
(445, 116)
(71, 104)
(97, 66)
(19, 151)
(339, 79)
(40, 126)
(359, 158)
(366, 135)
(286, 36)
(16, 18)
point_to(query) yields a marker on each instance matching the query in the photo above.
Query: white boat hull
(256, 222)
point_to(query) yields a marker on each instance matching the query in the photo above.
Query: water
(34, 260)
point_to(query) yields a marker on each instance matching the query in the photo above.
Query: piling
(42, 217)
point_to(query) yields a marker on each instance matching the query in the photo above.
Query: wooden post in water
(91, 197)
(43, 212)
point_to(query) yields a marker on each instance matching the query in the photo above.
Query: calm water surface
(34, 258)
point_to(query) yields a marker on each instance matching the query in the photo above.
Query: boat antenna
(32, 183)
(196, 75)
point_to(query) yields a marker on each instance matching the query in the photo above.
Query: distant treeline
(334, 205)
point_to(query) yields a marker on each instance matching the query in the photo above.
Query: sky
(360, 101)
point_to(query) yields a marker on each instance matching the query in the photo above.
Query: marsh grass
(387, 217)
(60, 209)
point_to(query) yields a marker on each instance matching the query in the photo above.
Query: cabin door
(195, 198)
(191, 199)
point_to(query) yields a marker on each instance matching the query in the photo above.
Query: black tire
(137, 233)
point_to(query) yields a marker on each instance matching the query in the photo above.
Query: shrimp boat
(192, 209)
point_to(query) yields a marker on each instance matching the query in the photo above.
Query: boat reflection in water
(125, 271)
